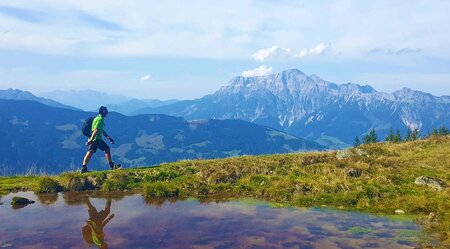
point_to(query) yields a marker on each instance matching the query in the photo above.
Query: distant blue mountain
(87, 100)
(90, 100)
(310, 107)
(16, 94)
(39, 138)
(131, 106)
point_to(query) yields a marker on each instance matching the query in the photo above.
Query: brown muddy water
(116, 220)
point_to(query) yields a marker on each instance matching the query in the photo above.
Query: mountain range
(39, 138)
(302, 105)
(310, 107)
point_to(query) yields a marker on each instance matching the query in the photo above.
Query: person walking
(95, 141)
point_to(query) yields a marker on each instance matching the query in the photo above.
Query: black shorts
(98, 144)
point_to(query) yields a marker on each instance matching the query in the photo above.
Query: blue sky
(187, 49)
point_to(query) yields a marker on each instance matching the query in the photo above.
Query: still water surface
(91, 220)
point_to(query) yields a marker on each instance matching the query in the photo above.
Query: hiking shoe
(84, 170)
(116, 166)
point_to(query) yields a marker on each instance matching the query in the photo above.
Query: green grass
(162, 189)
(18, 183)
(386, 180)
(48, 185)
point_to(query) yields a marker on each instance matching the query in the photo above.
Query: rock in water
(18, 202)
(432, 182)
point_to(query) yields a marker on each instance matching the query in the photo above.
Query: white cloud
(145, 77)
(274, 51)
(401, 51)
(259, 71)
(279, 52)
(319, 49)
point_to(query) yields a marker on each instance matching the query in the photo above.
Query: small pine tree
(391, 136)
(357, 142)
(371, 137)
(443, 131)
(408, 135)
(415, 135)
(366, 139)
(434, 133)
(398, 137)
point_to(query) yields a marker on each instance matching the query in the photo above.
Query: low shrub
(162, 189)
(48, 185)
(75, 182)
(114, 184)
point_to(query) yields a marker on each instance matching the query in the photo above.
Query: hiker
(93, 229)
(95, 141)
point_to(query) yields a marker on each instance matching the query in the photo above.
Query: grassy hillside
(377, 178)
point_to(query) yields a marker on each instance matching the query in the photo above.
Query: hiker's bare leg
(108, 206)
(108, 157)
(87, 157)
(90, 206)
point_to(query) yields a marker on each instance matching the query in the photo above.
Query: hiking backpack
(86, 128)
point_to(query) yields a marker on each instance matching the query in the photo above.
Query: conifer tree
(443, 131)
(398, 137)
(434, 133)
(366, 139)
(408, 135)
(371, 137)
(391, 136)
(357, 142)
(415, 135)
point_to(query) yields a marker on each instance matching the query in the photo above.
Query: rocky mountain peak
(292, 81)
(316, 78)
(409, 96)
(289, 77)
(351, 88)
(292, 74)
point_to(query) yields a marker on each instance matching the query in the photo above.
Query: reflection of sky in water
(56, 222)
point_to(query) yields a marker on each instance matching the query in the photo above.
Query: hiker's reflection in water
(93, 229)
